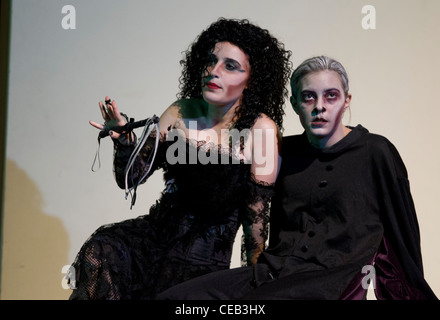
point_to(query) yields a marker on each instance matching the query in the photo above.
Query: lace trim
(256, 220)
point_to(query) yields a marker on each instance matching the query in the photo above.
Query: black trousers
(259, 283)
(232, 284)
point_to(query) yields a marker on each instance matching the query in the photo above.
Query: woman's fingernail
(110, 132)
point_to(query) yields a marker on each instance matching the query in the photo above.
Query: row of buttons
(305, 248)
(322, 184)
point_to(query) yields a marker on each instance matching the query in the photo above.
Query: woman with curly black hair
(218, 146)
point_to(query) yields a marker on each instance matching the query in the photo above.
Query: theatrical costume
(339, 217)
(189, 232)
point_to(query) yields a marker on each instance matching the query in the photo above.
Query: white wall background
(130, 50)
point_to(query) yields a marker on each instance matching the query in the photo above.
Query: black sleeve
(142, 163)
(399, 261)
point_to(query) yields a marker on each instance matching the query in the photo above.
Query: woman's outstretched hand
(112, 119)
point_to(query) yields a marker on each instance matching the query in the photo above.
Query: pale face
(227, 75)
(320, 104)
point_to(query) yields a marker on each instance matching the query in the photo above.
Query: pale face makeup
(227, 75)
(320, 105)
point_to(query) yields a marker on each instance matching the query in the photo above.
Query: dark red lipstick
(212, 85)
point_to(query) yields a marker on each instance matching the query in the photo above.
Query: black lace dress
(189, 232)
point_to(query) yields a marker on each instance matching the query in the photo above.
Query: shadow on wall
(35, 245)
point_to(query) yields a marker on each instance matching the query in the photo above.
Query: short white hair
(314, 64)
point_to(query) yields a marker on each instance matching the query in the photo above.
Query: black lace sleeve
(132, 166)
(255, 222)
(142, 162)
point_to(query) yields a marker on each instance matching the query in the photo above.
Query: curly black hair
(270, 69)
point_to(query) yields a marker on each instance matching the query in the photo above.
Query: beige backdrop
(130, 50)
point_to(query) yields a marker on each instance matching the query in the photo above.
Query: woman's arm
(266, 160)
(125, 143)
